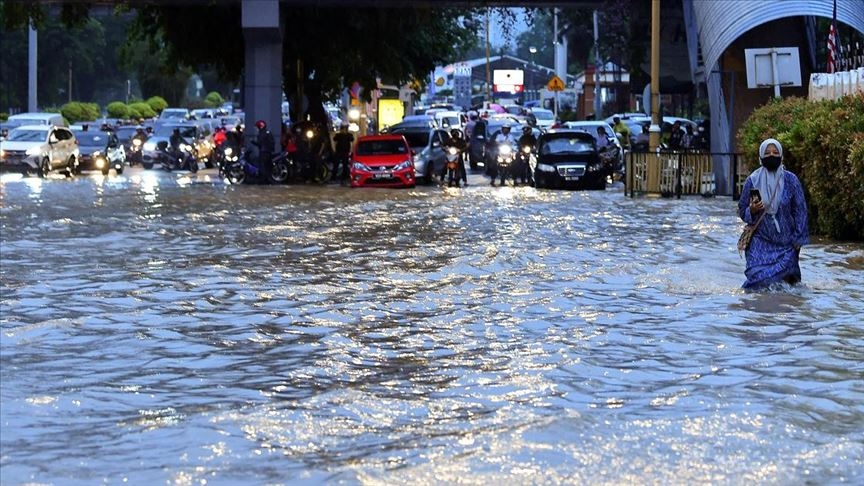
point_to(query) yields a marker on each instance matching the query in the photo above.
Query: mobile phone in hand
(755, 196)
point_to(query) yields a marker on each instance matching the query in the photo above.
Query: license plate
(382, 175)
(571, 178)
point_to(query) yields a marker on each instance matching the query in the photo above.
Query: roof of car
(43, 128)
(372, 138)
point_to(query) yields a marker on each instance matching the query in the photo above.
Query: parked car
(382, 160)
(39, 149)
(569, 159)
(100, 151)
(428, 147)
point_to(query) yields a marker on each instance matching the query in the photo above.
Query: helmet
(260, 124)
(526, 129)
(176, 131)
(506, 125)
(456, 133)
(472, 115)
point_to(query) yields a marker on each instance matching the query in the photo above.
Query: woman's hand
(756, 206)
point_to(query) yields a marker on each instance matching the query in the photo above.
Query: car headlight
(546, 168)
(359, 166)
(404, 165)
(150, 146)
(34, 151)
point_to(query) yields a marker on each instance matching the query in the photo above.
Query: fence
(673, 174)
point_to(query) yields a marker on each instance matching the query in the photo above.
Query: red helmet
(260, 124)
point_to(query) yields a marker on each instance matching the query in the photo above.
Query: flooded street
(158, 329)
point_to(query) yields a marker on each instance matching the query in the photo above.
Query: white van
(36, 118)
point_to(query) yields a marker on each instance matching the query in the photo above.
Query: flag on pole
(832, 42)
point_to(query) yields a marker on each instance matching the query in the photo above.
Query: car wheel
(44, 168)
(119, 171)
(147, 165)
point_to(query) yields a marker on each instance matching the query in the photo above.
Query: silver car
(39, 149)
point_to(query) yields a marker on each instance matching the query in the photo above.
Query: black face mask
(771, 163)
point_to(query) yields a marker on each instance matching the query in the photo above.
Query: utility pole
(654, 131)
(488, 73)
(598, 63)
(70, 81)
(32, 51)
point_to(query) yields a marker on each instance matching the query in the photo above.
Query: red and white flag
(832, 43)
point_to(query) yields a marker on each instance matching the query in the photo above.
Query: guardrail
(673, 174)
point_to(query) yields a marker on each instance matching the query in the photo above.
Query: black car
(100, 151)
(569, 159)
(428, 147)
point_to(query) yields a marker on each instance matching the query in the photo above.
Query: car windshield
(543, 115)
(416, 139)
(173, 113)
(125, 133)
(450, 121)
(23, 135)
(565, 145)
(91, 138)
(167, 130)
(381, 147)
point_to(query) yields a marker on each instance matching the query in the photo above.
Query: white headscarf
(770, 184)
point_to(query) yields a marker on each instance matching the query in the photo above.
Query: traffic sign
(555, 84)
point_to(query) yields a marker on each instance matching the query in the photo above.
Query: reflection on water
(159, 328)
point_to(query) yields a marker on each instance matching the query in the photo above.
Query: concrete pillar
(32, 56)
(262, 86)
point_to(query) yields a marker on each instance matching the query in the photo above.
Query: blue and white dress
(773, 253)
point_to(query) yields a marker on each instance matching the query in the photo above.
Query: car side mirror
(436, 144)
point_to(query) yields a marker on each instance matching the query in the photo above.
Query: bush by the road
(157, 104)
(76, 111)
(823, 143)
(141, 110)
(213, 99)
(117, 109)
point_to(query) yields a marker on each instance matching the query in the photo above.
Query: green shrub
(141, 110)
(117, 109)
(157, 104)
(213, 99)
(823, 143)
(76, 111)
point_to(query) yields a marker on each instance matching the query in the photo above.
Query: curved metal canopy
(718, 29)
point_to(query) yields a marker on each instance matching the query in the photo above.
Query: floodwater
(158, 329)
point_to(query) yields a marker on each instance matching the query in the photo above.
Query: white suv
(39, 149)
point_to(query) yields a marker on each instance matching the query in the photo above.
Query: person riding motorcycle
(136, 145)
(522, 169)
(459, 142)
(503, 137)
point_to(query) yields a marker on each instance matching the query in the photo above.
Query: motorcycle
(136, 156)
(611, 158)
(452, 157)
(181, 159)
(240, 170)
(505, 159)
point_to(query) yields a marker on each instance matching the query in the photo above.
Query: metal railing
(673, 174)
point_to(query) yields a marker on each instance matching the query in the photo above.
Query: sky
(496, 33)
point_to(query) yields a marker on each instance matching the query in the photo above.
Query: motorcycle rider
(503, 137)
(459, 142)
(344, 142)
(523, 168)
(141, 136)
(264, 141)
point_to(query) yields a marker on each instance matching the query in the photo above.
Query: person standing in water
(774, 250)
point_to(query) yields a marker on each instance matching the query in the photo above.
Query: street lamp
(532, 50)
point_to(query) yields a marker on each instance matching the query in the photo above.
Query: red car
(382, 161)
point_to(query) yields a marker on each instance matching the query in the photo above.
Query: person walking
(265, 142)
(773, 200)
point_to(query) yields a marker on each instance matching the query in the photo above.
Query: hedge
(76, 111)
(141, 110)
(823, 143)
(117, 109)
(157, 104)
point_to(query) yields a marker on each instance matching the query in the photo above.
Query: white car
(545, 118)
(39, 149)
